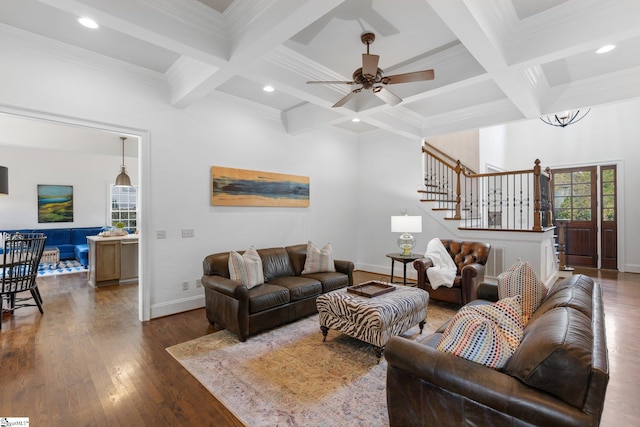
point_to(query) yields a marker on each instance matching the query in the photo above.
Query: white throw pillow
(319, 260)
(246, 268)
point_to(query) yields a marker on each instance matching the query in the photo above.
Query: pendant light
(123, 180)
(566, 118)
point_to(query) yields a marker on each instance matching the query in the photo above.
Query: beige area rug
(289, 377)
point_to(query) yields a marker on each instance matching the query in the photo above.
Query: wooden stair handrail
(460, 169)
(450, 161)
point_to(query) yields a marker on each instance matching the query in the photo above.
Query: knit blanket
(444, 269)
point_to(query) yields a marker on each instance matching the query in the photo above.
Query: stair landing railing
(513, 200)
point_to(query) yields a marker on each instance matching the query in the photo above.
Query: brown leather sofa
(557, 377)
(285, 296)
(470, 257)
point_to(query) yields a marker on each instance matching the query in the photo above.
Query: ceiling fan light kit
(370, 77)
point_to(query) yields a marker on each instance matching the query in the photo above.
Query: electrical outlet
(161, 234)
(185, 286)
(198, 283)
(188, 232)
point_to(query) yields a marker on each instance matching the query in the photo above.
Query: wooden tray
(371, 289)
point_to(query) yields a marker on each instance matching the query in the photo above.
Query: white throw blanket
(444, 269)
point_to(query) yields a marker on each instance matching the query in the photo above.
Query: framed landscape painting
(241, 187)
(55, 203)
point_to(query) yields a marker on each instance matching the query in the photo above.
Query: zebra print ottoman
(373, 320)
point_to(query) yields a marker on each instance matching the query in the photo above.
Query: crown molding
(245, 105)
(469, 113)
(15, 38)
(295, 62)
(240, 14)
(192, 13)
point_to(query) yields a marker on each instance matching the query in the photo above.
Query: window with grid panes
(124, 207)
(572, 191)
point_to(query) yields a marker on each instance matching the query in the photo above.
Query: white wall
(89, 174)
(608, 135)
(178, 147)
(463, 146)
(390, 171)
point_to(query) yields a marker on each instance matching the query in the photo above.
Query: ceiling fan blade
(345, 99)
(386, 95)
(330, 82)
(370, 64)
(416, 76)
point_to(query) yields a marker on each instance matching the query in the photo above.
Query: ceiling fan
(372, 77)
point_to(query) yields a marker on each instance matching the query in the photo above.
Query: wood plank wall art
(242, 187)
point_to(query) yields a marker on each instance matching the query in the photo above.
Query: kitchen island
(113, 260)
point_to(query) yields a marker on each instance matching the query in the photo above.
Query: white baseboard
(632, 268)
(178, 306)
(386, 270)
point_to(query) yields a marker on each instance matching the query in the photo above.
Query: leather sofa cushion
(298, 255)
(266, 296)
(276, 263)
(575, 291)
(299, 287)
(465, 253)
(555, 355)
(330, 281)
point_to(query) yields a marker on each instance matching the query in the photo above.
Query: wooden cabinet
(106, 260)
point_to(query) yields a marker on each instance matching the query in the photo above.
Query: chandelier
(565, 118)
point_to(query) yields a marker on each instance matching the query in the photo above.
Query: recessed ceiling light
(88, 22)
(268, 88)
(355, 120)
(605, 49)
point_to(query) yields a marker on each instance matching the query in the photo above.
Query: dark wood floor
(88, 361)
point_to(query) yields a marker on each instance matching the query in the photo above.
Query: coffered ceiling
(495, 61)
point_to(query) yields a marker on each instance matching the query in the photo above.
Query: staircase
(515, 200)
(510, 210)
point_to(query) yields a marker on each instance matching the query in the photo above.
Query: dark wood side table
(404, 259)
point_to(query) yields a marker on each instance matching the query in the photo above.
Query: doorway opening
(109, 132)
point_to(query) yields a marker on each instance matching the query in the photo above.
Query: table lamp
(406, 225)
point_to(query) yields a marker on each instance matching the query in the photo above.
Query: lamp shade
(406, 224)
(4, 180)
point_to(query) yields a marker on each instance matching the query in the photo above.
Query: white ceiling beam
(478, 116)
(614, 87)
(572, 28)
(188, 28)
(483, 28)
(259, 36)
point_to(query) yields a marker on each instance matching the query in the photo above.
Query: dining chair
(21, 256)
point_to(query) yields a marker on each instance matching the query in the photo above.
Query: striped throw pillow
(319, 260)
(246, 268)
(486, 334)
(521, 279)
